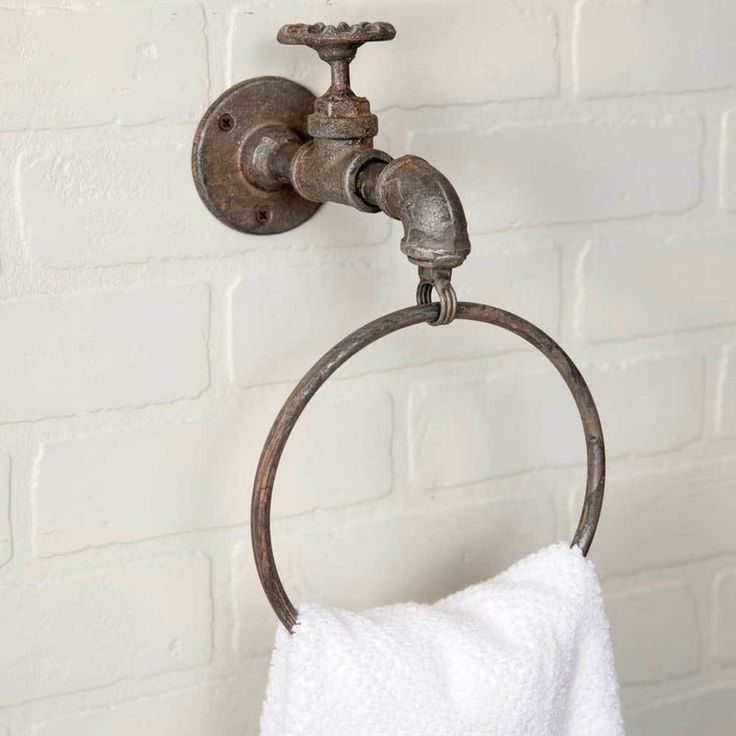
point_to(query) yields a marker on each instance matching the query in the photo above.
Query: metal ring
(448, 299)
(331, 361)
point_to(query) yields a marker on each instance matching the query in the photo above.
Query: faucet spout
(411, 190)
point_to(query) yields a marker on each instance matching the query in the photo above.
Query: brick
(131, 485)
(154, 65)
(283, 345)
(522, 36)
(255, 621)
(667, 518)
(625, 47)
(692, 714)
(91, 351)
(61, 636)
(148, 210)
(522, 280)
(726, 396)
(728, 161)
(724, 591)
(227, 708)
(631, 289)
(6, 542)
(528, 421)
(569, 171)
(650, 404)
(655, 633)
(502, 429)
(416, 556)
(341, 299)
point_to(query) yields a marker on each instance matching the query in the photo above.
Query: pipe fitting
(294, 151)
(435, 229)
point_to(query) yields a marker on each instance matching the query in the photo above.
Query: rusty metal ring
(331, 361)
(447, 296)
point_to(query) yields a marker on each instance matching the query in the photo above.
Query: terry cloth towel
(527, 653)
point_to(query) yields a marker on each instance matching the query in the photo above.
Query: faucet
(267, 154)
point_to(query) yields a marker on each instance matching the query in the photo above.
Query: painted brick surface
(342, 299)
(103, 350)
(675, 516)
(502, 431)
(175, 477)
(223, 708)
(148, 211)
(6, 544)
(724, 590)
(625, 47)
(728, 161)
(527, 421)
(523, 65)
(709, 711)
(665, 279)
(67, 67)
(655, 633)
(512, 175)
(89, 631)
(650, 404)
(726, 416)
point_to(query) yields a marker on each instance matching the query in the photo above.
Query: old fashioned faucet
(267, 154)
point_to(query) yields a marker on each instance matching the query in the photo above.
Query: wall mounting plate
(217, 153)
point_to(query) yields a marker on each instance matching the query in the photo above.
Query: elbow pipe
(411, 190)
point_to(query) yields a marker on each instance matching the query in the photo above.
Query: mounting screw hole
(263, 214)
(226, 121)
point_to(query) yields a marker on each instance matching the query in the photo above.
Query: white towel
(527, 653)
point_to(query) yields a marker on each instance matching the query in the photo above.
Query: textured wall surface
(146, 348)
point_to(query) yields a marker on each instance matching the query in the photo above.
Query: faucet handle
(337, 45)
(328, 40)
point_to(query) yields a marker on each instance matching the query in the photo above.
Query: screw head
(263, 214)
(226, 121)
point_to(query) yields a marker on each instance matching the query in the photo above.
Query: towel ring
(361, 338)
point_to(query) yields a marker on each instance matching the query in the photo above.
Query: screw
(263, 214)
(226, 121)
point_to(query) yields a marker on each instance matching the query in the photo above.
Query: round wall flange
(218, 149)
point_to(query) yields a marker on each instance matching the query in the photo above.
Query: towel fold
(527, 653)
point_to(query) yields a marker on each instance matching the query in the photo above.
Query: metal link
(439, 281)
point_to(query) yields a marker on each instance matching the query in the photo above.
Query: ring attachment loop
(435, 279)
(361, 338)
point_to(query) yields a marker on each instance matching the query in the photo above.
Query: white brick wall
(558, 171)
(658, 633)
(614, 275)
(181, 476)
(92, 630)
(84, 352)
(725, 606)
(5, 536)
(146, 348)
(631, 47)
(67, 67)
(137, 219)
(201, 711)
(525, 65)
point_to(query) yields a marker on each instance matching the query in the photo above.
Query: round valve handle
(337, 45)
(328, 40)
